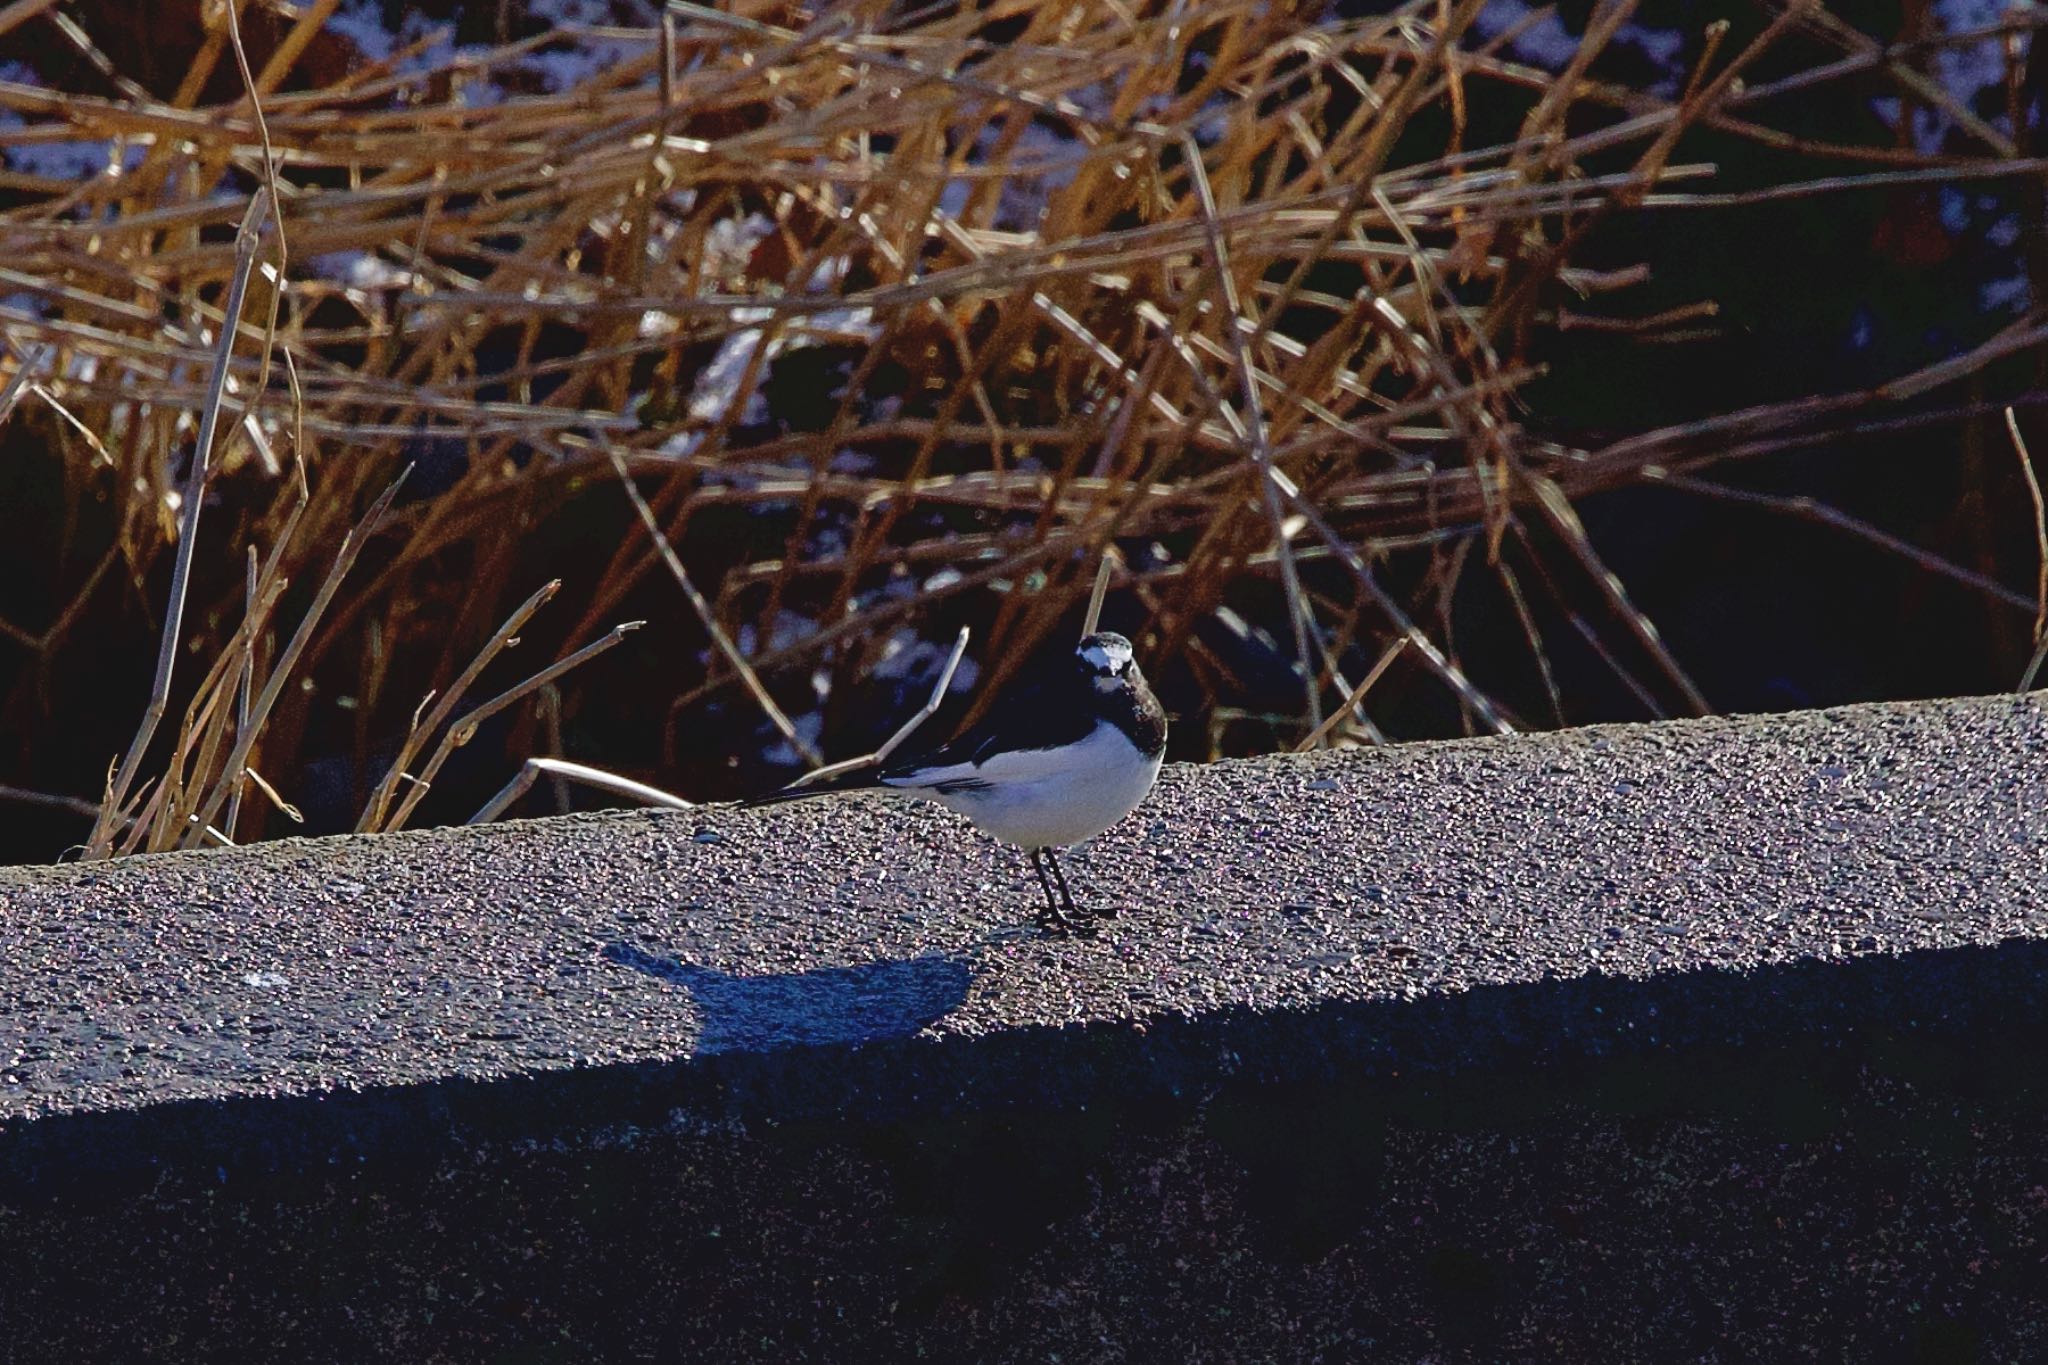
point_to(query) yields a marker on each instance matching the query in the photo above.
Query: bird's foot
(1055, 924)
(1079, 924)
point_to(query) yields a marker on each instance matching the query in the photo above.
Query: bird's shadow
(866, 1002)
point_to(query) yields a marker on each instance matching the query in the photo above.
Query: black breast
(1136, 712)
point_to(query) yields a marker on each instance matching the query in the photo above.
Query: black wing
(1028, 715)
(1046, 707)
(1034, 713)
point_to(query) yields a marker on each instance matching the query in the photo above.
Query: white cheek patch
(1110, 657)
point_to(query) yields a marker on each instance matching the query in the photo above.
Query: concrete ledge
(1642, 1039)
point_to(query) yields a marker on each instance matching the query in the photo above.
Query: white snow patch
(362, 23)
(909, 657)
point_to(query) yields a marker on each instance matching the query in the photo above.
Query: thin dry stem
(378, 809)
(463, 730)
(574, 772)
(247, 238)
(344, 559)
(708, 618)
(24, 374)
(1322, 732)
(1300, 616)
(904, 731)
(1095, 597)
(2019, 445)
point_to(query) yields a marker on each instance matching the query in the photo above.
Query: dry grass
(851, 297)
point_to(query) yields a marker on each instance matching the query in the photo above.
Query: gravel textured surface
(1705, 1042)
(1261, 888)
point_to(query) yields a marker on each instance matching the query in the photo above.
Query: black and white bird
(1060, 757)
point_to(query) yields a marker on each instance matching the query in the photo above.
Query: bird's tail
(798, 791)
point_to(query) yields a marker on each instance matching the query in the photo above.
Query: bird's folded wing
(1005, 767)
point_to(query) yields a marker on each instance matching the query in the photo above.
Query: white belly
(1048, 798)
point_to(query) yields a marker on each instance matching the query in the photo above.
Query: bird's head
(1107, 658)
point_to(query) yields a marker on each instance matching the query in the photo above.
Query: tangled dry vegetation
(893, 318)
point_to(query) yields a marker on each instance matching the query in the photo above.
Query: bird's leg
(1050, 918)
(1066, 897)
